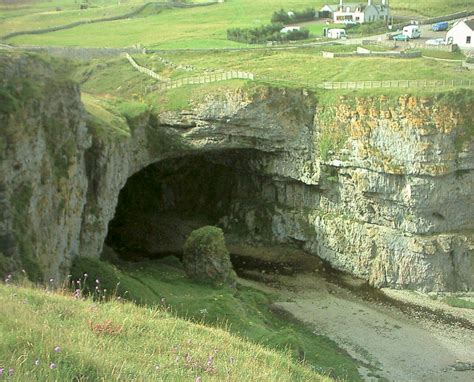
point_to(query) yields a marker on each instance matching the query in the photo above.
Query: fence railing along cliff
(396, 84)
(146, 71)
(167, 83)
(205, 79)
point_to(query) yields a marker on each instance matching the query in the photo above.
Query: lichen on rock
(206, 257)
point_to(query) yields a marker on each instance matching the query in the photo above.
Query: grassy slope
(244, 312)
(178, 28)
(298, 68)
(431, 7)
(120, 341)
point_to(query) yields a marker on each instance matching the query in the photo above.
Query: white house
(462, 34)
(357, 12)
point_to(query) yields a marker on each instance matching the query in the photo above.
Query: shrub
(261, 35)
(282, 16)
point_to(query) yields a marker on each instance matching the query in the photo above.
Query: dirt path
(392, 343)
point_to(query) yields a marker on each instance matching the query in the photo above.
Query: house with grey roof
(357, 12)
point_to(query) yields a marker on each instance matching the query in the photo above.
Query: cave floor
(395, 340)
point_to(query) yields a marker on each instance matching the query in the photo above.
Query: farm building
(356, 12)
(462, 34)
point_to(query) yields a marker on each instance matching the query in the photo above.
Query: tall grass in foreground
(49, 336)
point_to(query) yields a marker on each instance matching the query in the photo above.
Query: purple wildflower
(52, 366)
(209, 361)
(1, 371)
(10, 372)
(57, 349)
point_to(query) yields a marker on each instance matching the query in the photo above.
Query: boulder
(206, 257)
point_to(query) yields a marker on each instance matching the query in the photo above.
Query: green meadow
(203, 27)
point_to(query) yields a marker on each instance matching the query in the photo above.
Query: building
(346, 13)
(462, 34)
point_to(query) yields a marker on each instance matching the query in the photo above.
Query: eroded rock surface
(381, 188)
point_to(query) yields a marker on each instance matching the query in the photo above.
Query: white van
(336, 33)
(412, 31)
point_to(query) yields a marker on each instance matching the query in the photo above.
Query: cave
(160, 205)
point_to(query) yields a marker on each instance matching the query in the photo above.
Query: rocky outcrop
(379, 187)
(43, 182)
(206, 257)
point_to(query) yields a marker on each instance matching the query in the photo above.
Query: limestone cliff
(380, 187)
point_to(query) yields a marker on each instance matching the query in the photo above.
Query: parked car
(441, 26)
(436, 41)
(401, 37)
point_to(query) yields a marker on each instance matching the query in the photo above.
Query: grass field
(84, 329)
(59, 338)
(44, 14)
(297, 68)
(175, 28)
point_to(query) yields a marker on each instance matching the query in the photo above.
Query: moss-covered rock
(206, 257)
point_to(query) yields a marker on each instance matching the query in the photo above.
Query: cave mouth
(163, 203)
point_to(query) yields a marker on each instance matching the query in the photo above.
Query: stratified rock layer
(380, 187)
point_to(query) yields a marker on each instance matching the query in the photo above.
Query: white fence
(396, 84)
(204, 79)
(146, 71)
(166, 83)
(224, 76)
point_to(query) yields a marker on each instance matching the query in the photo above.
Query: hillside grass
(299, 68)
(48, 336)
(244, 311)
(204, 27)
(30, 15)
(430, 8)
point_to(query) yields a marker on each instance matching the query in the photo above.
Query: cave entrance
(160, 205)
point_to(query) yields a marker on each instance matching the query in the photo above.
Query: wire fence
(167, 83)
(205, 79)
(396, 84)
(146, 71)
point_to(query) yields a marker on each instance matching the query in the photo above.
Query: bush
(282, 16)
(261, 35)
(258, 35)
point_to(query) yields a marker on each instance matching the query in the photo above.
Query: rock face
(379, 187)
(43, 180)
(206, 257)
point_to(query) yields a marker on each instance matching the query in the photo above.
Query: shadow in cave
(163, 203)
